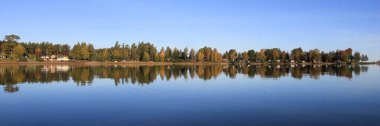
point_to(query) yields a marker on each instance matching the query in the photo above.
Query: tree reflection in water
(145, 75)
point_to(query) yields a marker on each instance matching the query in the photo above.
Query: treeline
(144, 52)
(11, 49)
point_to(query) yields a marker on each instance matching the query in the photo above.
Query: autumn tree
(343, 56)
(200, 56)
(275, 54)
(38, 52)
(19, 50)
(216, 56)
(116, 51)
(146, 57)
(284, 56)
(261, 55)
(105, 54)
(349, 53)
(297, 54)
(208, 53)
(162, 55)
(314, 55)
(232, 55)
(84, 53)
(245, 56)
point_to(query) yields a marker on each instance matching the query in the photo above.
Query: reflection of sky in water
(329, 100)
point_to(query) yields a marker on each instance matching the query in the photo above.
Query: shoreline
(138, 63)
(96, 63)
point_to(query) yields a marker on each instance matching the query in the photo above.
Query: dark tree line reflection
(10, 76)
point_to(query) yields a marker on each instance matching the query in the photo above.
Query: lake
(44, 95)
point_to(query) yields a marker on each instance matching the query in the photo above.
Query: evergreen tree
(357, 57)
(75, 53)
(84, 53)
(146, 57)
(134, 53)
(192, 55)
(168, 54)
(252, 55)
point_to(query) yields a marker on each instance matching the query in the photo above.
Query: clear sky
(223, 24)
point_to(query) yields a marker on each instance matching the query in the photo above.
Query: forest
(13, 50)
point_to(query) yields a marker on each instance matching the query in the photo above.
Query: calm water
(190, 95)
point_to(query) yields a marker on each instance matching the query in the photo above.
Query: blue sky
(223, 24)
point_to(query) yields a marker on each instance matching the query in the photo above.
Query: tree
(105, 54)
(185, 54)
(349, 53)
(19, 50)
(245, 56)
(275, 54)
(207, 52)
(7, 47)
(261, 55)
(315, 55)
(216, 56)
(146, 57)
(200, 56)
(38, 52)
(192, 55)
(126, 52)
(232, 55)
(364, 58)
(343, 56)
(176, 54)
(91, 51)
(162, 55)
(11, 38)
(168, 54)
(75, 53)
(297, 54)
(116, 51)
(252, 55)
(85, 53)
(284, 56)
(65, 49)
(134, 52)
(357, 57)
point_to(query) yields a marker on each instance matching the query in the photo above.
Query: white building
(63, 58)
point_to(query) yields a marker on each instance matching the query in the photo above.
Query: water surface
(190, 95)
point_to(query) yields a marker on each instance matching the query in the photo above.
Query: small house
(45, 58)
(63, 58)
